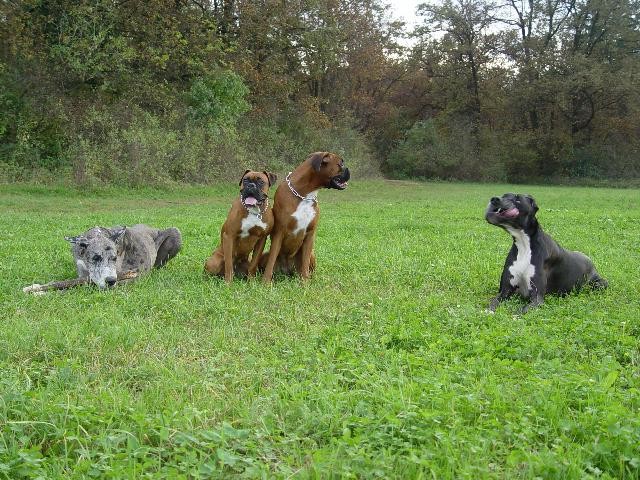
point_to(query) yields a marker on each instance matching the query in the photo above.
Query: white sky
(405, 10)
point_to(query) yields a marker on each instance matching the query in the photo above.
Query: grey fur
(100, 253)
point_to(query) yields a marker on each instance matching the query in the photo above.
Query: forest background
(132, 93)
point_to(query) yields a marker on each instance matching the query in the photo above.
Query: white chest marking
(305, 213)
(248, 223)
(521, 269)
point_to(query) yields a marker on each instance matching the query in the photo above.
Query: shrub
(424, 153)
(217, 100)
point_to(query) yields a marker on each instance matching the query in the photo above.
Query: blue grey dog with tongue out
(536, 264)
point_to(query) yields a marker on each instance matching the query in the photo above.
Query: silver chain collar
(293, 190)
(260, 210)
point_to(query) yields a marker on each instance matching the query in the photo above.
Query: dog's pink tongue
(512, 212)
(250, 201)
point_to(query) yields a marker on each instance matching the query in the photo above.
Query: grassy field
(385, 364)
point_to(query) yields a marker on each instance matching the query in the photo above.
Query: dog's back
(138, 249)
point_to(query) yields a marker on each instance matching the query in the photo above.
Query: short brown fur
(231, 258)
(293, 253)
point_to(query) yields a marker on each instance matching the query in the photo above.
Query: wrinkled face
(97, 258)
(254, 187)
(511, 210)
(331, 167)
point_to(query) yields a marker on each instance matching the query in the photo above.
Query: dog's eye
(114, 258)
(97, 258)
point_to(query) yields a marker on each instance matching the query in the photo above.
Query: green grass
(385, 364)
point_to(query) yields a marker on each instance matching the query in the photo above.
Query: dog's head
(254, 187)
(97, 255)
(512, 210)
(330, 167)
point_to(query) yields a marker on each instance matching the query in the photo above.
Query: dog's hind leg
(168, 244)
(215, 264)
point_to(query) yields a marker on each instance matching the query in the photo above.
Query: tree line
(153, 92)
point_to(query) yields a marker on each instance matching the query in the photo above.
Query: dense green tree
(188, 89)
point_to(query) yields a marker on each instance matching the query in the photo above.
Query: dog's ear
(273, 178)
(317, 159)
(79, 240)
(534, 205)
(245, 172)
(117, 234)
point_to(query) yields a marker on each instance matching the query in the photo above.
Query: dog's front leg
(502, 296)
(81, 268)
(537, 291)
(506, 290)
(227, 249)
(274, 251)
(533, 304)
(258, 248)
(305, 254)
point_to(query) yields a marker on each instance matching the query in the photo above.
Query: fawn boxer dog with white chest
(246, 229)
(296, 212)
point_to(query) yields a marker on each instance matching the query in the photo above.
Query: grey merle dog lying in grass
(536, 264)
(101, 254)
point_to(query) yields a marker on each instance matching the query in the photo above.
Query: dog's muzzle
(341, 181)
(252, 196)
(499, 211)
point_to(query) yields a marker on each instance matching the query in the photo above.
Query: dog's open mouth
(507, 212)
(251, 201)
(339, 183)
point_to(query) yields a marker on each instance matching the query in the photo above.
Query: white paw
(35, 289)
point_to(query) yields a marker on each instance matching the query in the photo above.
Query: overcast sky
(405, 9)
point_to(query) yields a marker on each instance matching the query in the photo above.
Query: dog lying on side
(246, 229)
(101, 254)
(536, 264)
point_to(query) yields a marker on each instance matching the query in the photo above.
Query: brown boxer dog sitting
(248, 224)
(295, 208)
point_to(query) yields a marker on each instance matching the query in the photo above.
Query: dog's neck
(303, 181)
(306, 193)
(531, 233)
(521, 239)
(532, 228)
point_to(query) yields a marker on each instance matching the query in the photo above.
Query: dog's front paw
(35, 289)
(529, 307)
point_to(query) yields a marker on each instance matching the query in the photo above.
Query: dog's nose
(110, 281)
(495, 200)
